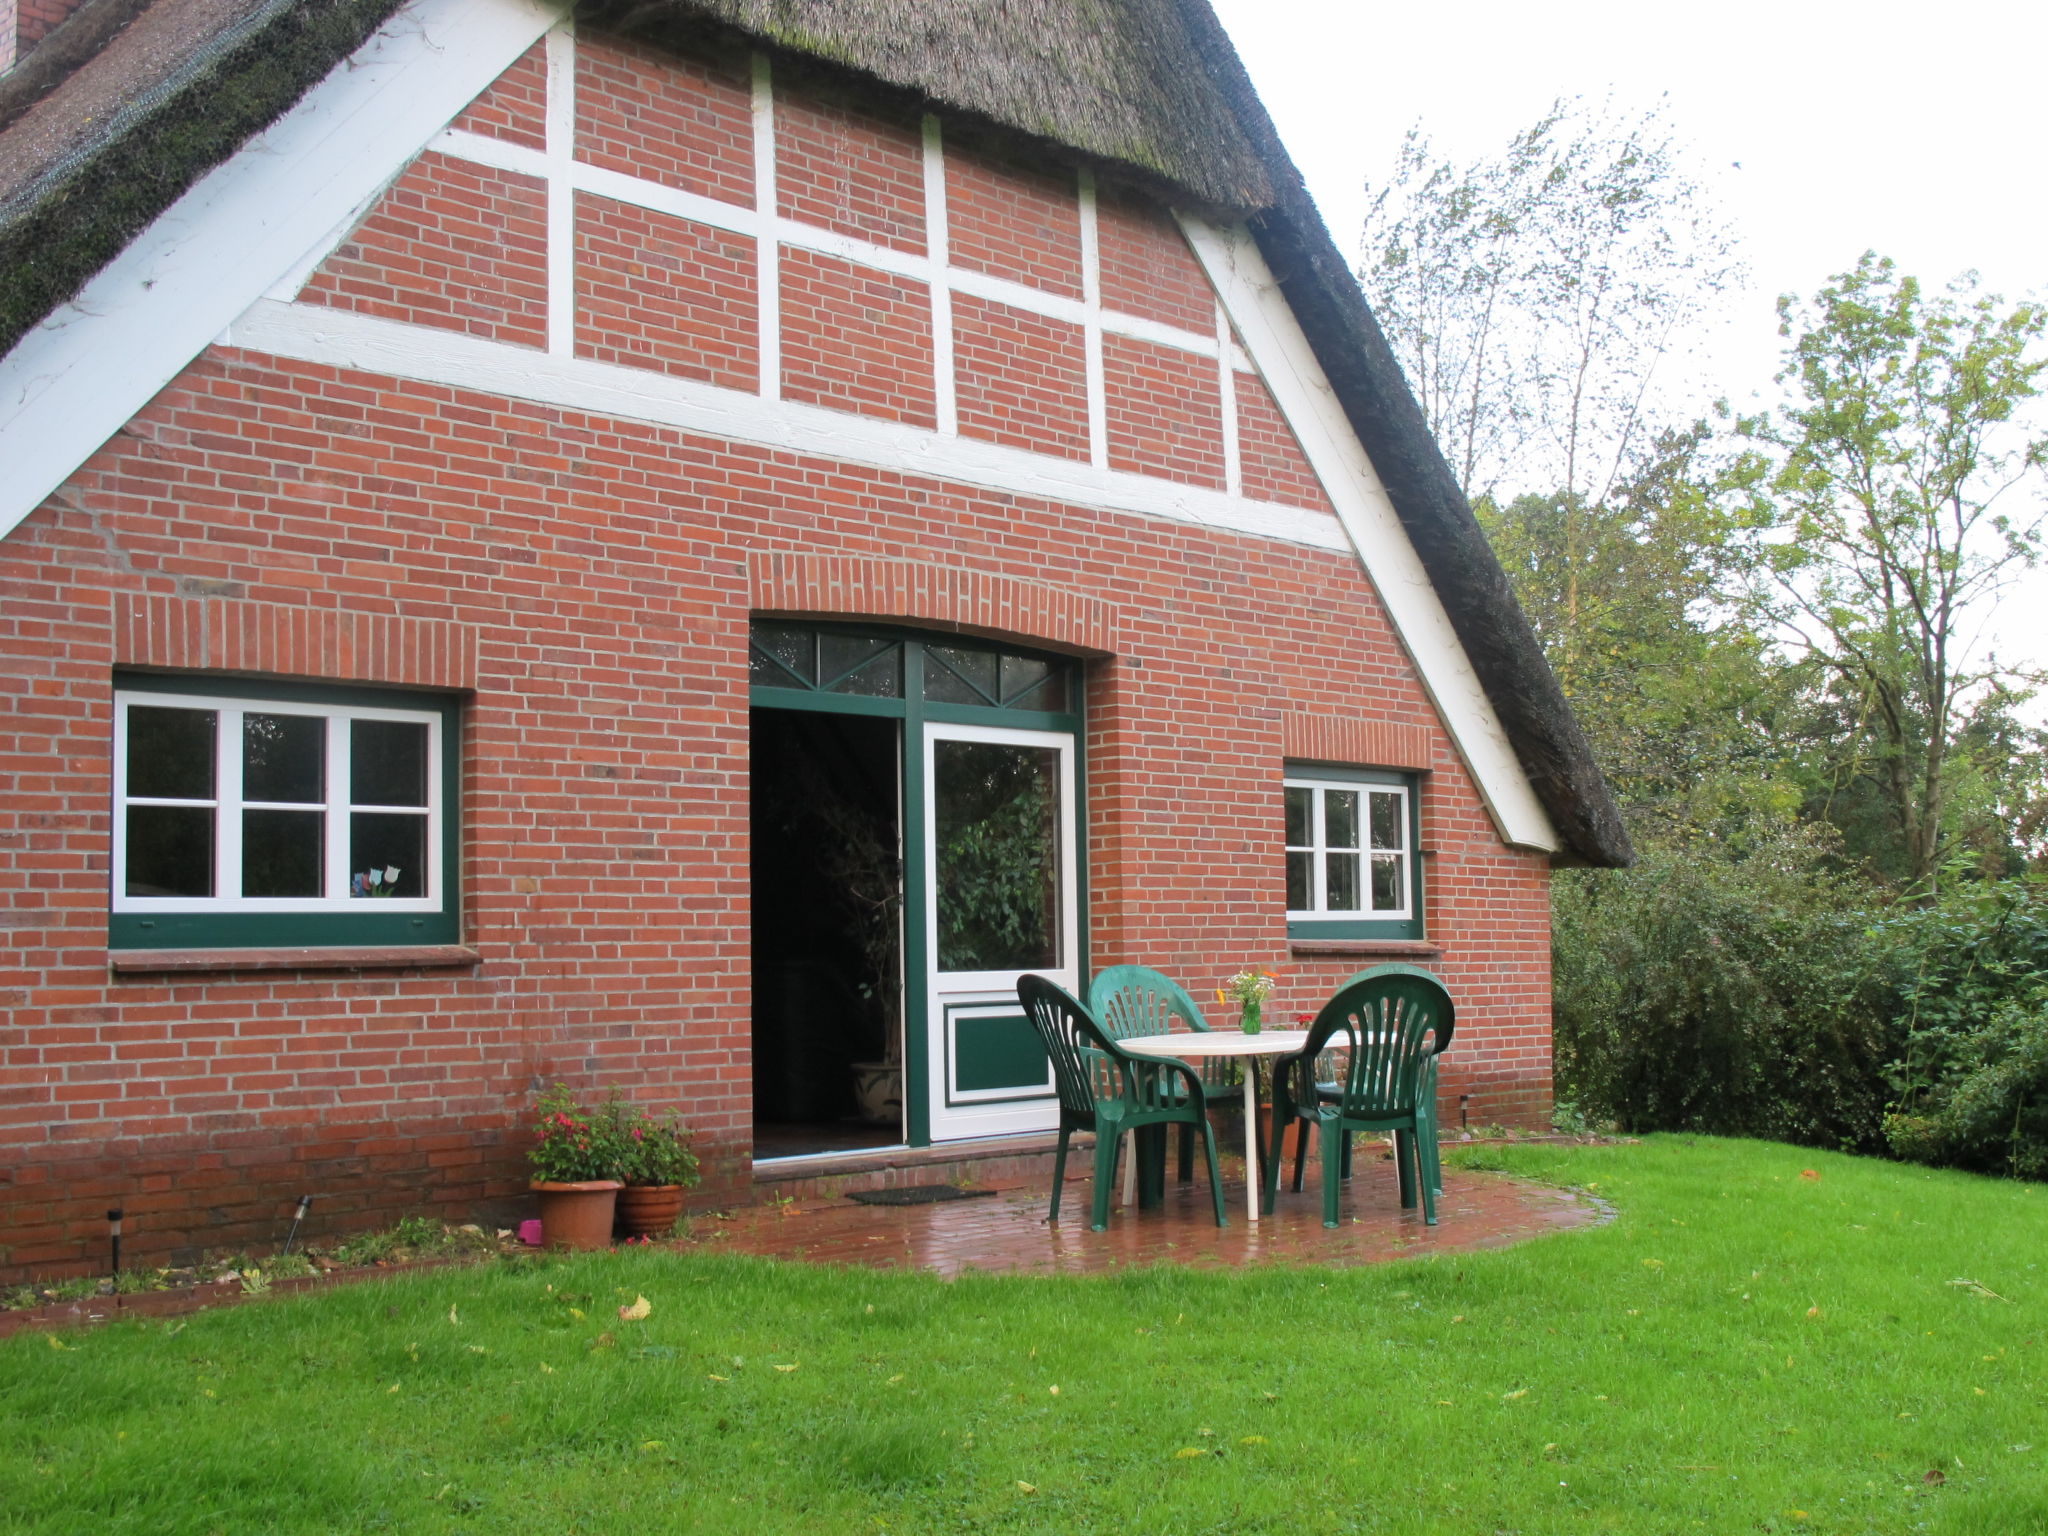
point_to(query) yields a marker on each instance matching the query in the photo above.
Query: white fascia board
(342, 339)
(75, 379)
(1284, 359)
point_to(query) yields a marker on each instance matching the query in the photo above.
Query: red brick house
(516, 524)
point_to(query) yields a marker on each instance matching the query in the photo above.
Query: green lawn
(1742, 1349)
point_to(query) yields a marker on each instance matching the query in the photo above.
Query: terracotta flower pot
(577, 1215)
(649, 1210)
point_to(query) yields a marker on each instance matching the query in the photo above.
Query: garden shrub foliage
(1743, 991)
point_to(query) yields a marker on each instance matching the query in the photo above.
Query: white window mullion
(227, 799)
(334, 880)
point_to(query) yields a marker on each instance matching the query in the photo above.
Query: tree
(1895, 495)
(1539, 300)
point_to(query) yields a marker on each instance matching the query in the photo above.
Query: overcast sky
(1916, 130)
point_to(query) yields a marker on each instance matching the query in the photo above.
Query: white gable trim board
(228, 260)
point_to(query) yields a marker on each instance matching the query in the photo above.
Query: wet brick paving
(1009, 1233)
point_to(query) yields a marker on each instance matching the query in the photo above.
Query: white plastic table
(1229, 1042)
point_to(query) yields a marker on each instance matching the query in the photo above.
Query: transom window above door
(856, 663)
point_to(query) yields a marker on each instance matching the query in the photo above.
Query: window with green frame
(1352, 870)
(250, 814)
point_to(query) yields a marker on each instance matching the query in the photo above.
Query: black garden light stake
(292, 1236)
(114, 1235)
(1463, 1123)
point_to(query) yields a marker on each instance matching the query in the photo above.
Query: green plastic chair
(1129, 1000)
(1393, 1021)
(1109, 1091)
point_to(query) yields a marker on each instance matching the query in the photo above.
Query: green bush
(1723, 989)
(1969, 983)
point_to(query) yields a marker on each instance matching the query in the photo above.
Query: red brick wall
(1013, 220)
(1269, 454)
(856, 339)
(1021, 378)
(1165, 411)
(681, 122)
(453, 245)
(28, 22)
(515, 107)
(855, 172)
(1147, 268)
(653, 291)
(586, 582)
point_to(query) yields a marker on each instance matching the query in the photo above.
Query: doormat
(919, 1194)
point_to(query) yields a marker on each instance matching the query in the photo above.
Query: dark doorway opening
(827, 907)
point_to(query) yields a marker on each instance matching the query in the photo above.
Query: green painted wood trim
(917, 992)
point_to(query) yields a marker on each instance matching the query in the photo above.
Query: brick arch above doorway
(934, 594)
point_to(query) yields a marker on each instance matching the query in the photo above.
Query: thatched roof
(134, 100)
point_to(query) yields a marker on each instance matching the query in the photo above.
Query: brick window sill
(1379, 949)
(341, 957)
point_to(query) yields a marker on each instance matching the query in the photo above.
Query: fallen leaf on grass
(1253, 1440)
(452, 1318)
(1024, 1487)
(546, 1369)
(638, 1312)
(787, 1367)
(715, 1377)
(1509, 1397)
(1811, 1175)
(1978, 1288)
(1934, 1475)
(1188, 1452)
(392, 1388)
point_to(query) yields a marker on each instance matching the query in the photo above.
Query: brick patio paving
(1009, 1233)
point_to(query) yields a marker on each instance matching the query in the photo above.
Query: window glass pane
(1340, 818)
(170, 848)
(170, 753)
(879, 678)
(392, 847)
(996, 810)
(1299, 869)
(875, 665)
(1298, 835)
(1386, 884)
(1029, 683)
(944, 686)
(1387, 828)
(790, 644)
(282, 853)
(1340, 882)
(284, 757)
(387, 762)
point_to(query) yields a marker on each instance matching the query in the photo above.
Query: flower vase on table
(1249, 988)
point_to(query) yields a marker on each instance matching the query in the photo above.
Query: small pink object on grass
(529, 1233)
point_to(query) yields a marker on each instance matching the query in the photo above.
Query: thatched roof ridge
(161, 91)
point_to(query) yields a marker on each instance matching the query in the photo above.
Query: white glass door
(1001, 884)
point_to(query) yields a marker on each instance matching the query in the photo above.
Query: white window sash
(1319, 851)
(228, 805)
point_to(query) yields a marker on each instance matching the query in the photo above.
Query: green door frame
(914, 710)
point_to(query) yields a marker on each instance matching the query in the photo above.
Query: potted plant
(659, 1167)
(577, 1162)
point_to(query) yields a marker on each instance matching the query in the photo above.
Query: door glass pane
(387, 762)
(170, 849)
(1340, 818)
(390, 846)
(1341, 882)
(1298, 835)
(790, 644)
(282, 852)
(1386, 884)
(284, 757)
(1386, 821)
(170, 754)
(954, 676)
(996, 821)
(1299, 866)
